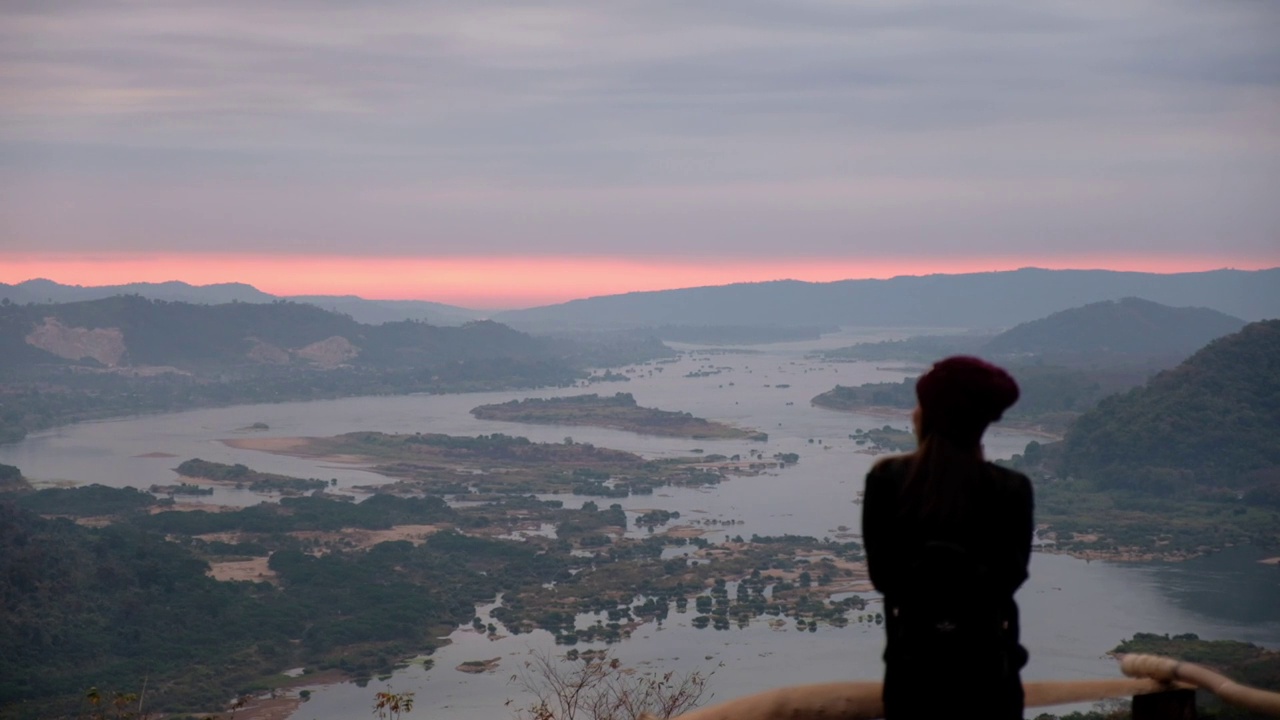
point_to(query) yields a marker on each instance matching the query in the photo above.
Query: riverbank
(618, 412)
(284, 700)
(1074, 611)
(888, 412)
(504, 464)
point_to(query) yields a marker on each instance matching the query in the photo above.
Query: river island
(617, 412)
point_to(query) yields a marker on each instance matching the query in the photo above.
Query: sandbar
(271, 445)
(253, 570)
(684, 531)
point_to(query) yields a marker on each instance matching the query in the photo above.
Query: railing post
(1167, 705)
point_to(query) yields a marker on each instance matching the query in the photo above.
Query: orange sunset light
(506, 282)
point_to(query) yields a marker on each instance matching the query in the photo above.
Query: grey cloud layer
(701, 127)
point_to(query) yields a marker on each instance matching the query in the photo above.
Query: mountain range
(991, 300)
(994, 300)
(41, 291)
(73, 361)
(132, 331)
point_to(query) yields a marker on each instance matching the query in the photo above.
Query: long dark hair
(959, 397)
(942, 478)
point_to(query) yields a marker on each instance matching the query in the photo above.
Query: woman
(948, 538)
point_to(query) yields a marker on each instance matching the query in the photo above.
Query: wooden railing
(1161, 688)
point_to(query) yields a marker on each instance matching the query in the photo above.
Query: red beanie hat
(961, 395)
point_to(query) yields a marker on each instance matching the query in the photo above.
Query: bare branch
(593, 686)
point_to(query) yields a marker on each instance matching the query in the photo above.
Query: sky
(496, 154)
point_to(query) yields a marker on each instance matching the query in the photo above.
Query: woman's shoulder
(1009, 478)
(893, 467)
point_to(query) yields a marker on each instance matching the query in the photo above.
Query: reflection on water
(1201, 586)
(1073, 611)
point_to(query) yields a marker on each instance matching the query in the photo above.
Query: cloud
(806, 127)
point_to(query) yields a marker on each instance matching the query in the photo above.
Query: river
(1072, 611)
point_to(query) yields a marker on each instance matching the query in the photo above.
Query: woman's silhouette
(948, 538)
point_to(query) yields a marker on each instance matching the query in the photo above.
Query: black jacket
(910, 561)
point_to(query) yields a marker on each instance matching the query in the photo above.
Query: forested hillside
(126, 354)
(366, 311)
(1208, 426)
(110, 606)
(1065, 363)
(1112, 330)
(133, 331)
(1052, 397)
(1128, 332)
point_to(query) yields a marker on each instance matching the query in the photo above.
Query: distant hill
(74, 361)
(131, 331)
(1207, 427)
(1130, 332)
(737, 334)
(1065, 363)
(992, 300)
(923, 349)
(42, 291)
(1052, 396)
(1130, 327)
(381, 311)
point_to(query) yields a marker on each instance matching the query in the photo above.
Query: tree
(597, 687)
(389, 705)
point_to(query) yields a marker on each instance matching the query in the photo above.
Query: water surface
(1073, 611)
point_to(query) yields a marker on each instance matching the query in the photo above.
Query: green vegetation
(589, 524)
(87, 501)
(1086, 522)
(885, 439)
(1204, 429)
(133, 600)
(505, 464)
(1243, 662)
(618, 412)
(1131, 332)
(900, 395)
(1187, 464)
(179, 489)
(11, 478)
(1108, 332)
(784, 577)
(292, 514)
(241, 477)
(1065, 363)
(126, 355)
(654, 518)
(119, 604)
(1052, 397)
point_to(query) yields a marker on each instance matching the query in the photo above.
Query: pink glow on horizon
(509, 282)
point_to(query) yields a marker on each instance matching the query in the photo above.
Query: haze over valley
(434, 360)
(643, 472)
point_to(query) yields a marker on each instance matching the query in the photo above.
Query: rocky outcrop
(105, 345)
(329, 353)
(266, 353)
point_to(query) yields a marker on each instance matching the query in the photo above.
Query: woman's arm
(877, 500)
(1022, 528)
